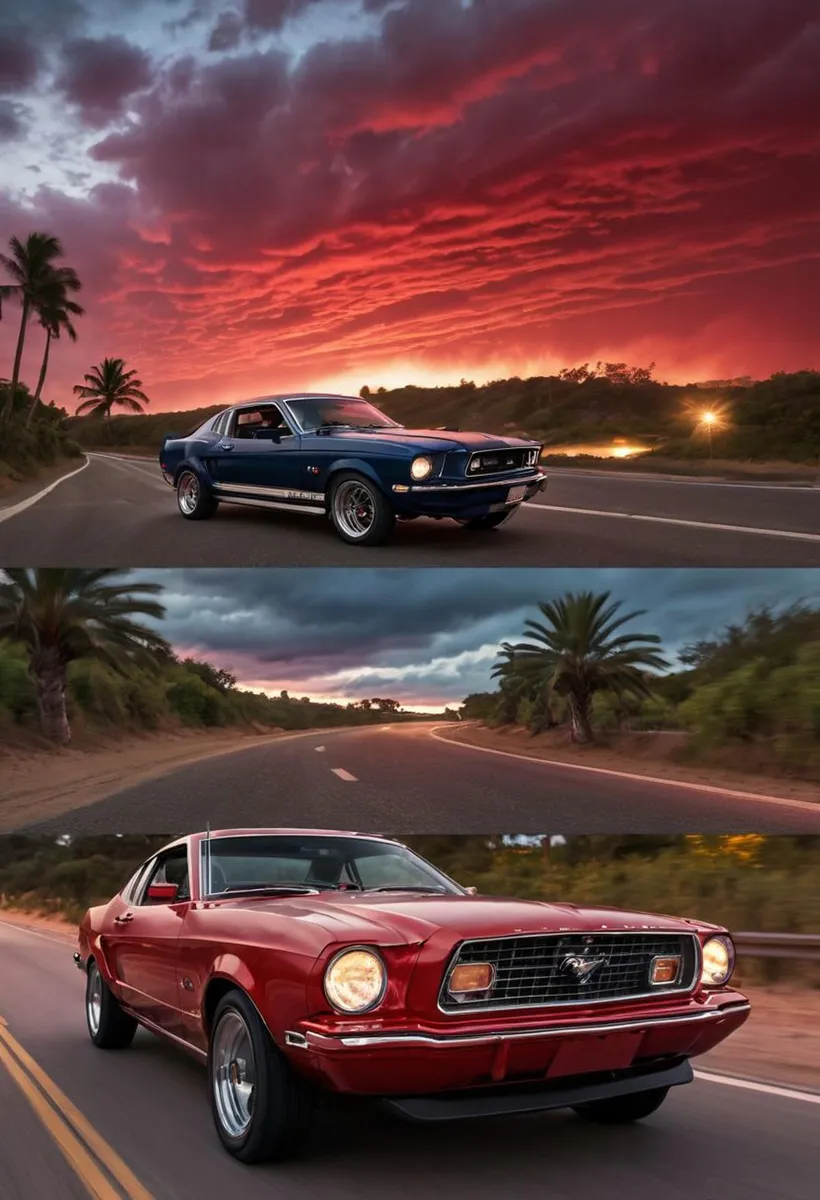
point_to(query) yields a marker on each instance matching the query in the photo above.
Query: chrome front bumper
(444, 1041)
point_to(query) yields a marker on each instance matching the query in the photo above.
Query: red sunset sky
(311, 193)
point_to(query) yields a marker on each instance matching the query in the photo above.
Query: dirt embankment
(650, 754)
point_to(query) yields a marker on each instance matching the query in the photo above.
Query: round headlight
(355, 981)
(421, 467)
(718, 961)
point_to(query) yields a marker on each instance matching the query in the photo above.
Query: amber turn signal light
(665, 969)
(471, 977)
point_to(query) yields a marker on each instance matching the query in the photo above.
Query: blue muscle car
(339, 456)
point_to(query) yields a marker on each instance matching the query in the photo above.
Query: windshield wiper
(300, 888)
(408, 887)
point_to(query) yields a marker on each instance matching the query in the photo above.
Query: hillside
(774, 419)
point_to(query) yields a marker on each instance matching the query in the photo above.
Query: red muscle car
(293, 961)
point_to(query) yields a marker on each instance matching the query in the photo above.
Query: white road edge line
(769, 1089)
(343, 774)
(679, 783)
(14, 510)
(794, 535)
(57, 939)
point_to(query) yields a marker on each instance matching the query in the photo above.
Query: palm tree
(518, 681)
(578, 654)
(109, 385)
(61, 614)
(55, 312)
(32, 267)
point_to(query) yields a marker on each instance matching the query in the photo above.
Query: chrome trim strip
(477, 1006)
(251, 489)
(510, 481)
(172, 1037)
(309, 509)
(500, 1035)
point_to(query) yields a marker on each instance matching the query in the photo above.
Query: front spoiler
(508, 1103)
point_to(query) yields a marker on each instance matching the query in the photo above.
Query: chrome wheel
(93, 999)
(234, 1074)
(354, 508)
(188, 493)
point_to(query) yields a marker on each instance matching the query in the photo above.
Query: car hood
(432, 440)
(404, 917)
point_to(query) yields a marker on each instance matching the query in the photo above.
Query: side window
(266, 422)
(136, 883)
(167, 868)
(221, 423)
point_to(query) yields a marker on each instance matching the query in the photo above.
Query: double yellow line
(98, 1166)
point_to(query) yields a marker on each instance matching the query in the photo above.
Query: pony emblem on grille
(581, 967)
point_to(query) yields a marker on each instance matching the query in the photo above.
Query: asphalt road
(404, 779)
(119, 512)
(146, 1111)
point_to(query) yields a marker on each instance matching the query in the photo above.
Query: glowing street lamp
(709, 420)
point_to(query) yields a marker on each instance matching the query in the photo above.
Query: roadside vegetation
(747, 882)
(34, 436)
(76, 653)
(749, 698)
(696, 427)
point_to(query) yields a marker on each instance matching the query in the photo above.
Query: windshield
(319, 412)
(277, 863)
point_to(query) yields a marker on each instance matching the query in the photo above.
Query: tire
(193, 501)
(624, 1109)
(359, 512)
(272, 1120)
(493, 521)
(109, 1027)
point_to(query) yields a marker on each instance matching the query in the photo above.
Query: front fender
(361, 467)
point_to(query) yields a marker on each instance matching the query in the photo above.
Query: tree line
(86, 644)
(749, 693)
(747, 882)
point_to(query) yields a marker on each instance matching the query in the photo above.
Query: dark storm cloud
(226, 32)
(98, 75)
(19, 60)
(300, 628)
(12, 124)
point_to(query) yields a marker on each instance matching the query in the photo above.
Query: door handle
(123, 920)
(225, 446)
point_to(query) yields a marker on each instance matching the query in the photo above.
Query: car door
(257, 456)
(142, 937)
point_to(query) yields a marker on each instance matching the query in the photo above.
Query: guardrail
(779, 945)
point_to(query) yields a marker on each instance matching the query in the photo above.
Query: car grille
(497, 462)
(531, 970)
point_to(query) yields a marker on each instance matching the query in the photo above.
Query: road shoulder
(519, 743)
(39, 786)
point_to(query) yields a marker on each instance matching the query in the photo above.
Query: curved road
(406, 779)
(146, 1112)
(119, 512)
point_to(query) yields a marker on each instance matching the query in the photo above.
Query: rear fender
(198, 467)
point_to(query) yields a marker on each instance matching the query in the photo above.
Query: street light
(709, 420)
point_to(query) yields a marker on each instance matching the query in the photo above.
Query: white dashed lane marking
(343, 774)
